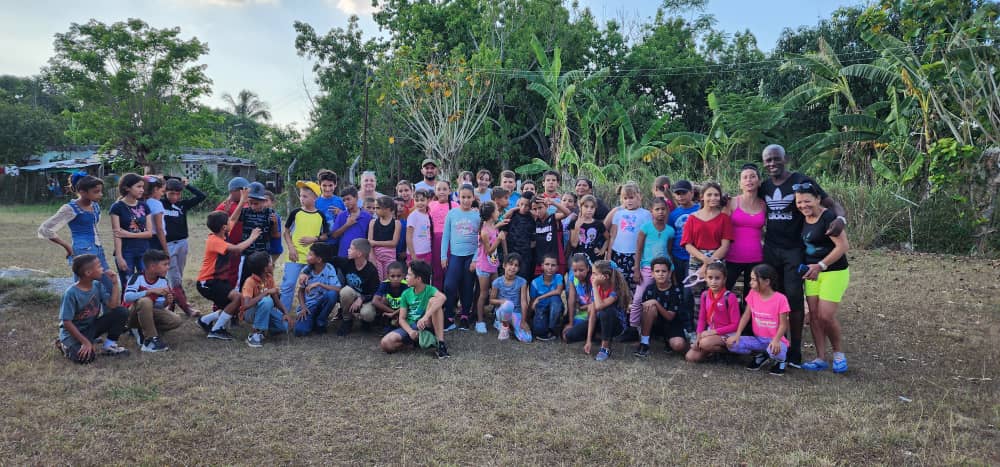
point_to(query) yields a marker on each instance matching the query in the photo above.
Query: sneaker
(794, 358)
(442, 351)
(463, 323)
(497, 325)
(255, 340)
(840, 365)
(206, 326)
(451, 327)
(630, 334)
(221, 334)
(816, 365)
(757, 362)
(154, 344)
(115, 351)
(345, 328)
(546, 337)
(642, 351)
(504, 333)
(603, 354)
(137, 334)
(522, 335)
(778, 369)
(481, 328)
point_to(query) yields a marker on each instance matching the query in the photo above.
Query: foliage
(26, 130)
(247, 106)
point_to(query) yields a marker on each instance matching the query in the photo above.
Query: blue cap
(257, 191)
(238, 183)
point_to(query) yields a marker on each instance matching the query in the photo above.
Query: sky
(252, 42)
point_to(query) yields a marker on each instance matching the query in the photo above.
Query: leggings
(458, 282)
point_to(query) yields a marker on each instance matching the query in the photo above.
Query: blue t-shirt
(323, 205)
(461, 233)
(510, 292)
(327, 276)
(678, 216)
(82, 308)
(656, 242)
(358, 230)
(538, 287)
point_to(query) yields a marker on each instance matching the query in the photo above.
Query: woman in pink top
(438, 211)
(719, 318)
(748, 216)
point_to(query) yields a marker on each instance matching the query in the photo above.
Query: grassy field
(922, 335)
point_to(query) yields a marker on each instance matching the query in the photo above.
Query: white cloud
(225, 3)
(353, 7)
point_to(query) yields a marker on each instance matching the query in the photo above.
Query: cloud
(353, 7)
(225, 3)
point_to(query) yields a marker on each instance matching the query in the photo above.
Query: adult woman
(585, 187)
(827, 276)
(747, 213)
(368, 184)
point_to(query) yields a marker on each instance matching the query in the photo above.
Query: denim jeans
(458, 281)
(133, 265)
(319, 314)
(292, 271)
(265, 317)
(546, 318)
(87, 247)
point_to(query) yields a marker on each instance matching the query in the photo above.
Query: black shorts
(669, 329)
(216, 291)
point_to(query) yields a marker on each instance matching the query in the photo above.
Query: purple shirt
(358, 230)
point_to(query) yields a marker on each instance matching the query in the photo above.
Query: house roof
(63, 165)
(191, 158)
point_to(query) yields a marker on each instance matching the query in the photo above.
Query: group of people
(546, 263)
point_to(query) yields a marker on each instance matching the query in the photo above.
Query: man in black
(783, 247)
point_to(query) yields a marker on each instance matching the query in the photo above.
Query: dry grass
(923, 327)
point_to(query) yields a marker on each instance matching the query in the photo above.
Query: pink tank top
(747, 229)
(438, 211)
(491, 262)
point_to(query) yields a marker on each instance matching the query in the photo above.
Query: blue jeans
(687, 302)
(265, 317)
(292, 271)
(87, 247)
(133, 265)
(546, 317)
(319, 314)
(458, 281)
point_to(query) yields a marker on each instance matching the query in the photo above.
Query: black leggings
(607, 327)
(111, 323)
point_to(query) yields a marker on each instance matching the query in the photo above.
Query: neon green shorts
(829, 286)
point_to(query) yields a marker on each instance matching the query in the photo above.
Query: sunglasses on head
(806, 186)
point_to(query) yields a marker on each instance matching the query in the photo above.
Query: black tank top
(383, 233)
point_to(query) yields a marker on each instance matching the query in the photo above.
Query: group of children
(548, 265)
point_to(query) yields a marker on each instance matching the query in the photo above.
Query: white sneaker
(481, 328)
(504, 333)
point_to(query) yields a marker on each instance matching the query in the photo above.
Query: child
(260, 298)
(550, 184)
(152, 194)
(579, 296)
(82, 215)
(607, 312)
(175, 215)
(319, 290)
(132, 226)
(528, 186)
(89, 310)
(707, 235)
(361, 283)
(274, 246)
(418, 229)
(228, 206)
(659, 307)
(483, 180)
(769, 310)
(588, 235)
(508, 181)
(487, 258)
(548, 238)
(352, 223)
(827, 277)
(661, 189)
(401, 245)
(461, 227)
(653, 242)
(328, 202)
(520, 234)
(501, 197)
(625, 223)
(510, 295)
(305, 225)
(464, 178)
(148, 296)
(371, 205)
(569, 200)
(684, 195)
(419, 309)
(252, 214)
(383, 235)
(404, 191)
(546, 300)
(386, 299)
(720, 318)
(438, 212)
(213, 278)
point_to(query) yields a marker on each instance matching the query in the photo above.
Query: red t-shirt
(707, 235)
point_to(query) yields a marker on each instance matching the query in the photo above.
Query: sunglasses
(151, 179)
(802, 186)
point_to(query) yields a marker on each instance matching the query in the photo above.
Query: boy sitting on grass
(149, 296)
(420, 309)
(362, 282)
(213, 283)
(89, 310)
(386, 299)
(260, 298)
(319, 288)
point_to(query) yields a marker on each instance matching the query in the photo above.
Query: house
(223, 165)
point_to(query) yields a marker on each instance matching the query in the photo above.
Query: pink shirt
(766, 314)
(438, 212)
(727, 314)
(490, 262)
(747, 230)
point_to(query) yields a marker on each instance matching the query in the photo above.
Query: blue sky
(251, 42)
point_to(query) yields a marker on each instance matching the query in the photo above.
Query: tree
(247, 105)
(25, 130)
(138, 86)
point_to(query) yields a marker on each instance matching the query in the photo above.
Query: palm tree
(247, 105)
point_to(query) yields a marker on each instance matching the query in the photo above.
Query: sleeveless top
(84, 225)
(747, 230)
(490, 262)
(383, 233)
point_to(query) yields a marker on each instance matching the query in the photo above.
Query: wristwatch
(822, 265)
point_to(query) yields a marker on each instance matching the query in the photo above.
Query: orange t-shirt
(254, 285)
(216, 263)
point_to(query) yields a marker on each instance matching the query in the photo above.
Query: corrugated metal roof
(57, 165)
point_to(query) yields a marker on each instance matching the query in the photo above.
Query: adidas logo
(777, 202)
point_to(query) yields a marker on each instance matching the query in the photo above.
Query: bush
(875, 216)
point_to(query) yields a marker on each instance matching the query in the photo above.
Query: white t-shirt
(421, 225)
(137, 287)
(628, 224)
(156, 207)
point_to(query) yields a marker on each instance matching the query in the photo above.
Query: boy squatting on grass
(421, 306)
(89, 310)
(148, 295)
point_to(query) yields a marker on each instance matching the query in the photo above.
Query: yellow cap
(310, 185)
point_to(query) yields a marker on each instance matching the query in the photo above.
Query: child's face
(395, 276)
(711, 198)
(370, 207)
(587, 210)
(538, 210)
(350, 202)
(158, 268)
(400, 207)
(659, 212)
(508, 184)
(412, 279)
(268, 203)
(442, 192)
(523, 206)
(551, 183)
(353, 253)
(234, 195)
(94, 194)
(580, 270)
(137, 190)
(502, 203)
(174, 196)
(404, 191)
(569, 202)
(630, 201)
(684, 198)
(307, 198)
(715, 280)
(484, 181)
(420, 203)
(661, 274)
(756, 283)
(312, 258)
(157, 192)
(327, 186)
(94, 270)
(526, 187)
(510, 268)
(269, 269)
(256, 204)
(465, 198)
(549, 266)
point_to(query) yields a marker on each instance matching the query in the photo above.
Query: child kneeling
(260, 298)
(719, 317)
(510, 294)
(150, 295)
(89, 310)
(420, 309)
(769, 310)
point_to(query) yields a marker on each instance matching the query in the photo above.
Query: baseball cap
(429, 161)
(310, 185)
(238, 183)
(681, 186)
(257, 191)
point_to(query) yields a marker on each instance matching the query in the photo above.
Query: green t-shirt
(416, 304)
